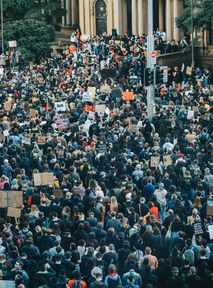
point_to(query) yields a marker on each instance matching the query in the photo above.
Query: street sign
(153, 57)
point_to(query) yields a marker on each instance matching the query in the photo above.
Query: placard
(128, 96)
(33, 113)
(100, 108)
(155, 160)
(86, 97)
(190, 114)
(116, 94)
(41, 140)
(167, 160)
(7, 284)
(209, 207)
(45, 178)
(60, 107)
(6, 133)
(11, 199)
(105, 88)
(188, 70)
(210, 230)
(8, 106)
(12, 44)
(13, 212)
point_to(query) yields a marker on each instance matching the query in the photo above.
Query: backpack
(77, 284)
(113, 283)
(203, 138)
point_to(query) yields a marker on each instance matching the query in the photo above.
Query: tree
(31, 23)
(202, 14)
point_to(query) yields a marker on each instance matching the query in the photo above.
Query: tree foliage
(31, 23)
(202, 14)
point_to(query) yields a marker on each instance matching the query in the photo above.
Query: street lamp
(192, 34)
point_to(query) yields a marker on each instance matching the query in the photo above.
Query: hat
(96, 271)
(148, 228)
(6, 161)
(68, 195)
(128, 197)
(180, 155)
(161, 186)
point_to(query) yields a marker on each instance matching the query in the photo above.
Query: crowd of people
(130, 203)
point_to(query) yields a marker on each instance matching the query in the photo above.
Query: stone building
(96, 17)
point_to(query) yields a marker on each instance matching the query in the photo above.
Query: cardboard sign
(41, 140)
(188, 70)
(86, 97)
(155, 160)
(33, 113)
(13, 212)
(100, 108)
(195, 109)
(128, 96)
(60, 107)
(8, 106)
(209, 207)
(43, 179)
(91, 89)
(167, 160)
(58, 193)
(105, 88)
(210, 230)
(190, 114)
(12, 44)
(11, 199)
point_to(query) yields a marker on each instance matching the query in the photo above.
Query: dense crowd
(112, 217)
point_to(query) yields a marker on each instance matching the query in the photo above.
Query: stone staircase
(62, 39)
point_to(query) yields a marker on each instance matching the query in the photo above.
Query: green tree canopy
(202, 14)
(31, 23)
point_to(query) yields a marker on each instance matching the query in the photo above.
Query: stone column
(117, 18)
(87, 16)
(74, 12)
(145, 18)
(81, 16)
(110, 21)
(124, 16)
(161, 15)
(68, 12)
(134, 17)
(63, 17)
(140, 17)
(175, 9)
(168, 20)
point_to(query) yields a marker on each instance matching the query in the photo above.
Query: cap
(6, 161)
(180, 155)
(68, 194)
(148, 228)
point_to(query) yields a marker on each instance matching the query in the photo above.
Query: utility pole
(150, 49)
(2, 28)
(192, 33)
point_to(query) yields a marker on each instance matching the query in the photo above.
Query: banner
(43, 179)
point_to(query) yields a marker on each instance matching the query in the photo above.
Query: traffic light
(159, 75)
(148, 76)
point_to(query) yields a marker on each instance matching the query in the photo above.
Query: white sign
(86, 97)
(210, 230)
(60, 106)
(12, 44)
(1, 70)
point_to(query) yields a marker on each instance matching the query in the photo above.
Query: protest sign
(43, 179)
(100, 108)
(210, 230)
(13, 212)
(167, 160)
(105, 88)
(91, 115)
(6, 133)
(11, 199)
(86, 97)
(7, 284)
(12, 44)
(209, 208)
(128, 96)
(190, 114)
(60, 107)
(155, 160)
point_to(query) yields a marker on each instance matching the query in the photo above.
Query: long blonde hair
(114, 204)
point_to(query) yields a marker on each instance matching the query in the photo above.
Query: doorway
(101, 17)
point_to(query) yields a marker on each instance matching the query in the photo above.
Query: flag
(78, 36)
(47, 105)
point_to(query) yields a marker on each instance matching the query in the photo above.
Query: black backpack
(113, 283)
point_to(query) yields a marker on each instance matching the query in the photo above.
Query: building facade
(96, 17)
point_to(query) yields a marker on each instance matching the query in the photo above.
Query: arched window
(101, 17)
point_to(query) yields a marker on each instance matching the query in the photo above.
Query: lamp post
(192, 33)
(2, 28)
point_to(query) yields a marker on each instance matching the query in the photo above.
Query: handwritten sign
(155, 160)
(13, 212)
(43, 179)
(167, 160)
